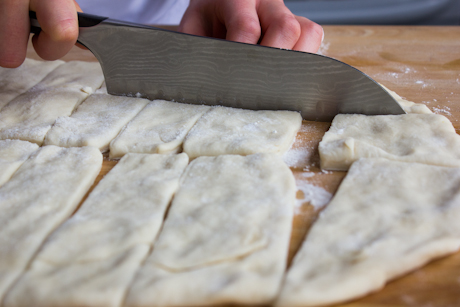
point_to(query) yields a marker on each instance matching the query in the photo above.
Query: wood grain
(422, 64)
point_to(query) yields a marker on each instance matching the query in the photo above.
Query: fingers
(311, 37)
(14, 32)
(193, 21)
(58, 20)
(241, 20)
(280, 27)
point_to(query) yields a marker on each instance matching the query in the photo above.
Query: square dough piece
(423, 138)
(42, 193)
(387, 219)
(226, 236)
(242, 132)
(13, 153)
(96, 122)
(159, 128)
(29, 116)
(91, 259)
(15, 81)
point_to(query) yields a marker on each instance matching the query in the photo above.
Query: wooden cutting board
(422, 64)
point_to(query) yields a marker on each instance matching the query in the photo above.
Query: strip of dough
(91, 259)
(13, 154)
(423, 138)
(242, 132)
(29, 116)
(42, 193)
(409, 107)
(96, 122)
(159, 128)
(386, 219)
(226, 236)
(15, 81)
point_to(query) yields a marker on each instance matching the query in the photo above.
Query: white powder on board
(316, 196)
(297, 157)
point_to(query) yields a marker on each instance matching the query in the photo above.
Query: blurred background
(378, 12)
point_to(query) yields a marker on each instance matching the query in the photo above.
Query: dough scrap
(91, 259)
(96, 122)
(29, 116)
(13, 153)
(55, 179)
(159, 128)
(408, 106)
(387, 219)
(423, 138)
(15, 81)
(225, 130)
(226, 236)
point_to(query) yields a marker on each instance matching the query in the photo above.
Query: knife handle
(84, 20)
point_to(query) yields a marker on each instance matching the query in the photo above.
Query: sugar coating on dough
(225, 130)
(29, 116)
(13, 153)
(15, 81)
(387, 219)
(409, 107)
(423, 138)
(91, 259)
(159, 128)
(226, 236)
(96, 122)
(42, 193)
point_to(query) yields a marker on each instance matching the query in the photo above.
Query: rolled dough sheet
(42, 193)
(15, 81)
(29, 116)
(409, 107)
(226, 236)
(96, 122)
(13, 153)
(91, 259)
(387, 219)
(159, 128)
(242, 132)
(423, 138)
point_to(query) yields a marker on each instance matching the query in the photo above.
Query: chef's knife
(144, 61)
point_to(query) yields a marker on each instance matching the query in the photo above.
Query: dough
(13, 154)
(243, 132)
(96, 122)
(91, 259)
(226, 236)
(42, 193)
(387, 219)
(409, 106)
(159, 128)
(29, 116)
(423, 138)
(15, 81)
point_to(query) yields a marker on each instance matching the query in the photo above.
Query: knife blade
(149, 62)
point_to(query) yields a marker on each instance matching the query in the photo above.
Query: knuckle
(289, 26)
(10, 61)
(65, 31)
(247, 25)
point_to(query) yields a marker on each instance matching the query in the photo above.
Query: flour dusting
(316, 196)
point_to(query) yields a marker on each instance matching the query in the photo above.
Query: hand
(268, 22)
(57, 18)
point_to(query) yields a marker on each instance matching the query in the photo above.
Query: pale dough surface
(409, 107)
(13, 153)
(386, 219)
(159, 128)
(91, 259)
(242, 132)
(42, 193)
(96, 122)
(226, 236)
(29, 116)
(423, 138)
(15, 81)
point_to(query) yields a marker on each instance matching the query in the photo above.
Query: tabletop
(422, 64)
